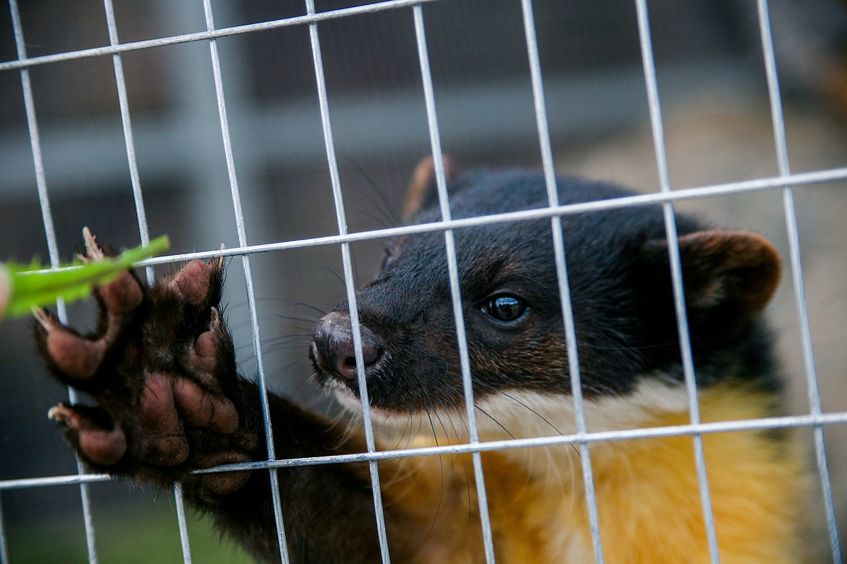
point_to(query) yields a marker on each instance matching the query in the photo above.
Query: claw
(93, 251)
(60, 413)
(218, 262)
(79, 357)
(102, 441)
(216, 321)
(47, 322)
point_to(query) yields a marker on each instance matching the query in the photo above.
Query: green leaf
(32, 285)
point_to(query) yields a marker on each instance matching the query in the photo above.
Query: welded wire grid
(786, 182)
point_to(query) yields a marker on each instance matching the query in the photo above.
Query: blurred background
(718, 129)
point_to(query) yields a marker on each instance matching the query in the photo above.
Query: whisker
(494, 420)
(282, 339)
(297, 317)
(524, 405)
(379, 220)
(441, 479)
(384, 205)
(335, 274)
(531, 410)
(280, 347)
(310, 306)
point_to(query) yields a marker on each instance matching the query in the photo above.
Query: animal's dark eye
(505, 307)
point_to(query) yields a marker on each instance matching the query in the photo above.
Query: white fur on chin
(523, 414)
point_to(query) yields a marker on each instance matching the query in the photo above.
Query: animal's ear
(422, 186)
(733, 274)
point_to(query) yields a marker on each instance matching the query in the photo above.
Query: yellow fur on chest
(647, 493)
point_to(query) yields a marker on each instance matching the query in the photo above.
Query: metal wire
(797, 275)
(761, 424)
(129, 140)
(52, 245)
(141, 216)
(349, 281)
(183, 524)
(4, 551)
(455, 289)
(797, 180)
(806, 179)
(562, 273)
(24, 62)
(649, 64)
(248, 279)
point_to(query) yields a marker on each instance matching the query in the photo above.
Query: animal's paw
(161, 367)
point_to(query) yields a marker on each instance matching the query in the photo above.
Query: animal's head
(622, 295)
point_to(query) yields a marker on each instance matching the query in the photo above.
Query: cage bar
(781, 147)
(561, 273)
(349, 281)
(649, 65)
(4, 551)
(762, 424)
(747, 186)
(126, 123)
(185, 544)
(129, 140)
(141, 218)
(807, 179)
(52, 245)
(455, 289)
(248, 279)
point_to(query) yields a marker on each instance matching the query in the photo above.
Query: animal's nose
(333, 345)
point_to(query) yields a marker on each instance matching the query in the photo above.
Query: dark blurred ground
(717, 120)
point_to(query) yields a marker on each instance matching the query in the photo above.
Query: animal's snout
(333, 346)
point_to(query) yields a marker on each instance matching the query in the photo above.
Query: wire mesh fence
(786, 182)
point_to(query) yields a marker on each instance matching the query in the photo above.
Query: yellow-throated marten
(162, 368)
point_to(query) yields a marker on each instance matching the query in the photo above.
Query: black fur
(621, 294)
